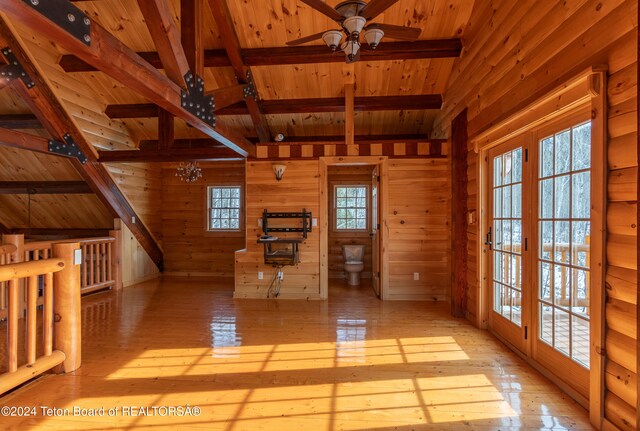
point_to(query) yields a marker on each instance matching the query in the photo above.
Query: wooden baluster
(103, 254)
(116, 268)
(47, 314)
(67, 329)
(110, 261)
(32, 304)
(83, 267)
(91, 257)
(12, 325)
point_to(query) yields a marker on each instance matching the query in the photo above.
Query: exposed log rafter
(44, 187)
(420, 49)
(230, 41)
(112, 57)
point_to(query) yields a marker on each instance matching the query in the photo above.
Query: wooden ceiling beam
(299, 106)
(24, 141)
(277, 56)
(166, 36)
(115, 59)
(20, 121)
(229, 37)
(55, 233)
(170, 155)
(191, 32)
(44, 187)
(166, 129)
(47, 107)
(227, 96)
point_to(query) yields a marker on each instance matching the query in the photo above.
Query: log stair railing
(59, 341)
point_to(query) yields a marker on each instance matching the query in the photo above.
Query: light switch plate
(77, 256)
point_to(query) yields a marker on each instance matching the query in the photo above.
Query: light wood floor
(350, 363)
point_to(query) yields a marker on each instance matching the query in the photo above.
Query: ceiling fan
(353, 15)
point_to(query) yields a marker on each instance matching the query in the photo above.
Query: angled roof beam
(231, 44)
(420, 49)
(164, 32)
(44, 187)
(298, 106)
(191, 32)
(49, 110)
(112, 57)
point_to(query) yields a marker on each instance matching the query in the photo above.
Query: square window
(224, 207)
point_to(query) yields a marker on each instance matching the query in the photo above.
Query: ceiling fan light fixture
(354, 25)
(350, 7)
(332, 38)
(373, 36)
(351, 48)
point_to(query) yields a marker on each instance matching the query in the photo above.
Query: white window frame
(367, 207)
(210, 207)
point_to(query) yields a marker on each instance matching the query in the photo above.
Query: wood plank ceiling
(268, 24)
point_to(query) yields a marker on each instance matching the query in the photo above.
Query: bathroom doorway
(351, 217)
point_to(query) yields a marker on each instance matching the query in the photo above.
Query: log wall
(516, 52)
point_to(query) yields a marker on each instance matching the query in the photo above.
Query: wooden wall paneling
(459, 144)
(136, 264)
(298, 189)
(189, 248)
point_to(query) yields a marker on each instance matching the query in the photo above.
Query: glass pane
(546, 323)
(517, 165)
(341, 192)
(580, 295)
(497, 235)
(580, 340)
(561, 331)
(546, 198)
(546, 239)
(516, 201)
(545, 281)
(497, 297)
(546, 155)
(582, 147)
(563, 152)
(516, 304)
(516, 236)
(506, 201)
(361, 224)
(581, 195)
(563, 194)
(561, 252)
(506, 168)
(497, 203)
(497, 171)
(580, 232)
(506, 235)
(562, 286)
(362, 203)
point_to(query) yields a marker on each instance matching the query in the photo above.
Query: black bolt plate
(66, 16)
(250, 89)
(195, 101)
(67, 148)
(14, 69)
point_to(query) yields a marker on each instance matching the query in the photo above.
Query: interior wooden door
(375, 234)
(506, 243)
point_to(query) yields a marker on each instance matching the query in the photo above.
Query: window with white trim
(224, 208)
(351, 204)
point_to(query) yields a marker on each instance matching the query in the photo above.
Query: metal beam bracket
(250, 89)
(196, 102)
(67, 148)
(66, 16)
(13, 69)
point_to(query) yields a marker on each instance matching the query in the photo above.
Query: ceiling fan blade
(324, 8)
(398, 32)
(375, 8)
(305, 39)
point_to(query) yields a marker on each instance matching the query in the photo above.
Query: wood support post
(349, 113)
(459, 151)
(67, 320)
(116, 258)
(17, 240)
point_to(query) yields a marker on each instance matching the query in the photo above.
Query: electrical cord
(276, 282)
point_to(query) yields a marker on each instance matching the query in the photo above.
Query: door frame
(324, 224)
(585, 89)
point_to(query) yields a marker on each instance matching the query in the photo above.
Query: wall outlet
(260, 275)
(133, 219)
(416, 276)
(314, 222)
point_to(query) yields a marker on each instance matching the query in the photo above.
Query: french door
(538, 242)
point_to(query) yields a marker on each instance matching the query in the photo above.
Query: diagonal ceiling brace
(57, 121)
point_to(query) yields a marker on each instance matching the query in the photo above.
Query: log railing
(59, 340)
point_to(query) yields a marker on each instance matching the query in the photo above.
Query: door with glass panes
(538, 238)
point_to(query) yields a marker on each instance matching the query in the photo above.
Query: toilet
(353, 262)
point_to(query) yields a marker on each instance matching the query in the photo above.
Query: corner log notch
(118, 61)
(49, 110)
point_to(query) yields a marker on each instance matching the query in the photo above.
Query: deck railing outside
(59, 343)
